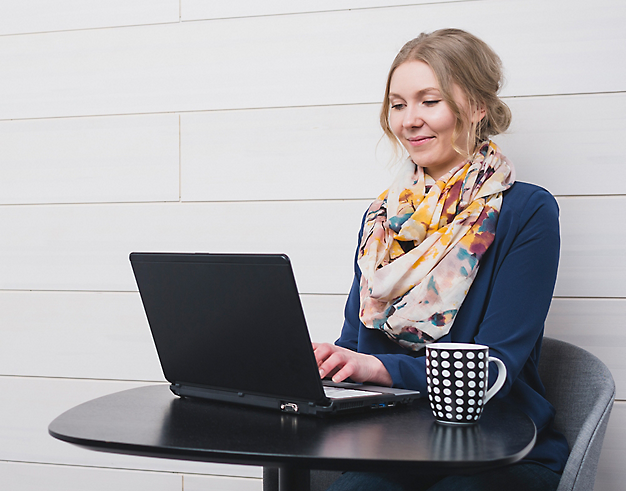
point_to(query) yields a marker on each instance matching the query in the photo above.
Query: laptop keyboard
(341, 393)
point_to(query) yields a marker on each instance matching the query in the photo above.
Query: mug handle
(499, 381)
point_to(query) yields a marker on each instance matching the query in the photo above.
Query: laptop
(230, 327)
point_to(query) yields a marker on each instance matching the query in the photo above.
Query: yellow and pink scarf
(422, 243)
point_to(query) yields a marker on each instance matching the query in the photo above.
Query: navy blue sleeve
(351, 325)
(513, 324)
(350, 332)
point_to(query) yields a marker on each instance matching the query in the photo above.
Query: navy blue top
(505, 309)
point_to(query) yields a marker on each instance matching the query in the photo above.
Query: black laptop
(230, 327)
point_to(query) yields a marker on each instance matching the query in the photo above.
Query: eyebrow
(419, 92)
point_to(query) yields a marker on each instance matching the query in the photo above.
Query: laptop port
(289, 407)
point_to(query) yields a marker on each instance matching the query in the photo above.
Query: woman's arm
(350, 332)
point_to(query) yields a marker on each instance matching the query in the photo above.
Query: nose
(412, 117)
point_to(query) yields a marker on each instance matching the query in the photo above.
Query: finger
(323, 352)
(332, 364)
(345, 372)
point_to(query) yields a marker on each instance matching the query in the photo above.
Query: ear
(478, 114)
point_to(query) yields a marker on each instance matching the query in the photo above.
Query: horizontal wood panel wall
(251, 126)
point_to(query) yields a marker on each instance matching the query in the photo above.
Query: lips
(416, 141)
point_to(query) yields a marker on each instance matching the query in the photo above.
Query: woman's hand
(341, 363)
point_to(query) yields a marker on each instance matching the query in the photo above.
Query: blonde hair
(458, 57)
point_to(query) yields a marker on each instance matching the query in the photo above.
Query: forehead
(413, 76)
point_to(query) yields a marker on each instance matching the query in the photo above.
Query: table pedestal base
(286, 478)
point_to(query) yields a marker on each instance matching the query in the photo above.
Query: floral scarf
(422, 243)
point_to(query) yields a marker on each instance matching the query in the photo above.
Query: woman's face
(422, 120)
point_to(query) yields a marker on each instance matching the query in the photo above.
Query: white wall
(251, 126)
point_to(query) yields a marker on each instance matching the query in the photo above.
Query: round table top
(151, 421)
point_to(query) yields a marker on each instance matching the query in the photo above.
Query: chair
(582, 390)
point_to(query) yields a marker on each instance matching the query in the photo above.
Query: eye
(432, 102)
(397, 107)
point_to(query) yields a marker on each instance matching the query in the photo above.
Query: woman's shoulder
(523, 197)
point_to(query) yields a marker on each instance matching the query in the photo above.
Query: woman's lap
(518, 477)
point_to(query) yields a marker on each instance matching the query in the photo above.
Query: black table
(151, 421)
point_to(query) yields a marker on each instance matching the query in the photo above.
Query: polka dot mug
(457, 376)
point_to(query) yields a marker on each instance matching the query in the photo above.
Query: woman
(454, 251)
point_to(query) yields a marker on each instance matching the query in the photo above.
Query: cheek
(444, 122)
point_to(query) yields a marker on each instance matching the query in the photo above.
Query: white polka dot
(459, 392)
(470, 409)
(458, 355)
(480, 393)
(459, 383)
(458, 364)
(437, 398)
(470, 365)
(469, 416)
(430, 397)
(471, 374)
(458, 374)
(435, 372)
(480, 401)
(447, 391)
(459, 401)
(447, 383)
(471, 393)
(445, 364)
(481, 384)
(449, 415)
(439, 406)
(445, 373)
(459, 416)
(440, 414)
(479, 409)
(445, 354)
(476, 418)
(427, 371)
(435, 381)
(481, 355)
(448, 408)
(471, 383)
(481, 365)
(435, 363)
(447, 400)
(471, 402)
(436, 390)
(470, 355)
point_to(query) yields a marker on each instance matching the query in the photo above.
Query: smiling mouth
(419, 140)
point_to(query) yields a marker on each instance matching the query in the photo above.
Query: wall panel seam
(182, 202)
(80, 29)
(83, 379)
(129, 469)
(299, 106)
(310, 12)
(84, 466)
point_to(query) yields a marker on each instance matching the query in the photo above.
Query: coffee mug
(457, 375)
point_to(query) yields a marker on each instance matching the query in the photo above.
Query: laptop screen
(228, 321)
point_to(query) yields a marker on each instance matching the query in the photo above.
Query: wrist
(381, 376)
